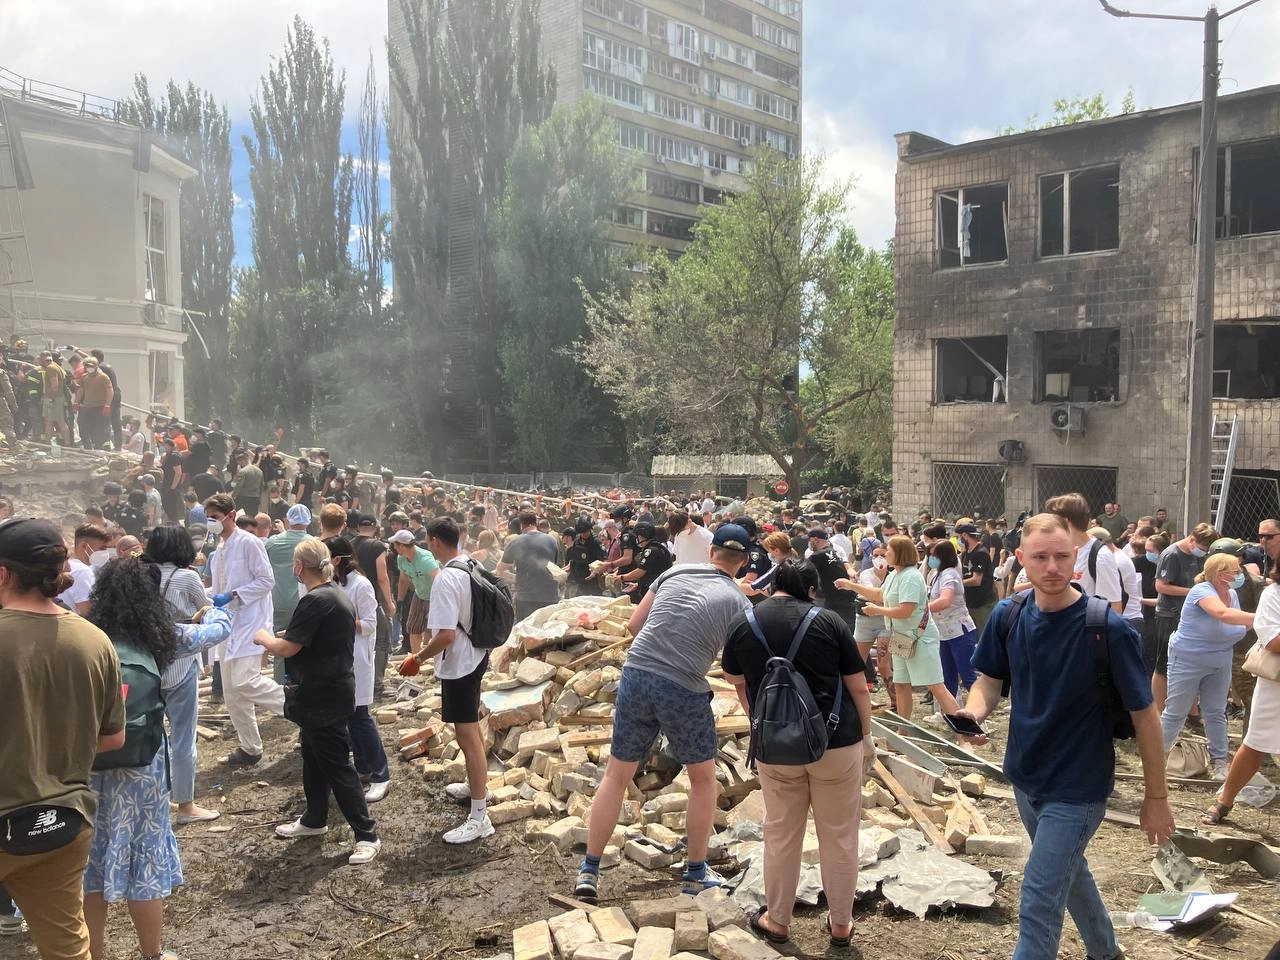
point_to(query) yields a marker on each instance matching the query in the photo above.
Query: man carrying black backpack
(1067, 704)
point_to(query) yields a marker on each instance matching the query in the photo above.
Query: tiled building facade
(1049, 274)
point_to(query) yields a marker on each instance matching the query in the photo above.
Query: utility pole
(1196, 499)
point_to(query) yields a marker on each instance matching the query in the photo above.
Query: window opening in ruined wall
(1244, 360)
(1080, 211)
(971, 370)
(973, 225)
(1078, 366)
(1096, 484)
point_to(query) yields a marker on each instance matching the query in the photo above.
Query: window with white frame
(777, 106)
(728, 89)
(612, 56)
(622, 11)
(728, 162)
(630, 217)
(782, 142)
(717, 48)
(673, 188)
(673, 108)
(788, 8)
(613, 88)
(155, 249)
(775, 69)
(684, 42)
(973, 225)
(630, 136)
(726, 126)
(673, 69)
(673, 148)
(777, 35)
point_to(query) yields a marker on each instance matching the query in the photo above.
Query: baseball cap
(367, 521)
(19, 538)
(1226, 545)
(622, 513)
(147, 478)
(399, 516)
(819, 533)
(747, 524)
(403, 536)
(1103, 535)
(966, 528)
(730, 536)
(298, 515)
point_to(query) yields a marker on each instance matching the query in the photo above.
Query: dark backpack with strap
(492, 612)
(787, 728)
(1094, 550)
(144, 711)
(1116, 717)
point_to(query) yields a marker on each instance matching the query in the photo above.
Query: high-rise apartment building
(696, 85)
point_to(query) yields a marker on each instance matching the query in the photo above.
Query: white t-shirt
(451, 610)
(1107, 584)
(843, 544)
(81, 584)
(693, 544)
(1266, 621)
(1131, 581)
(708, 506)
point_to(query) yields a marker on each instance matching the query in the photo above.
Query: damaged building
(1044, 303)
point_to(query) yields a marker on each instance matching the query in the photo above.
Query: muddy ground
(251, 896)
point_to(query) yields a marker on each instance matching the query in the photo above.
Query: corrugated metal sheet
(719, 465)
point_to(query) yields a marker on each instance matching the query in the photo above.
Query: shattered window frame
(957, 195)
(1064, 241)
(1117, 387)
(1227, 211)
(996, 386)
(155, 241)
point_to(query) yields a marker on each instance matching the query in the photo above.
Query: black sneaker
(587, 887)
(239, 758)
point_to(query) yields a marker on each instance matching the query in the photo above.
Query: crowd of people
(292, 582)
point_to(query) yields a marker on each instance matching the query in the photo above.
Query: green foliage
(1075, 110)
(565, 177)
(198, 129)
(710, 346)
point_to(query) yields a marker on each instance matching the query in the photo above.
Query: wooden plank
(597, 654)
(920, 783)
(733, 726)
(927, 826)
(204, 733)
(970, 809)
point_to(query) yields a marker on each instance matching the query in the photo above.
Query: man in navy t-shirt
(1060, 757)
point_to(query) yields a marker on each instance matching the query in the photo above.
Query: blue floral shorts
(648, 705)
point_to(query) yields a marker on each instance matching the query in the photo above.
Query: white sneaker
(936, 720)
(11, 926)
(291, 831)
(376, 791)
(365, 851)
(1218, 770)
(470, 830)
(462, 792)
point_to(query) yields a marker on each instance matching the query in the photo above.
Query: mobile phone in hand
(965, 726)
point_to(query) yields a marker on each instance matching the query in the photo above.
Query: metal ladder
(1222, 458)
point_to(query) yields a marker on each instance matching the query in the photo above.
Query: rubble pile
(58, 487)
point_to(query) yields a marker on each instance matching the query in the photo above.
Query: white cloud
(854, 152)
(224, 46)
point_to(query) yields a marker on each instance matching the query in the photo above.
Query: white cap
(403, 536)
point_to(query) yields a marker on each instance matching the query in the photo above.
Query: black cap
(819, 533)
(966, 528)
(747, 524)
(20, 538)
(622, 513)
(584, 525)
(367, 520)
(645, 530)
(568, 532)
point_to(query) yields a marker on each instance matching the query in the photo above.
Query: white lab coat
(240, 566)
(360, 592)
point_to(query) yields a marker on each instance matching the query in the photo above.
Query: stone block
(660, 834)
(883, 843)
(691, 931)
(532, 942)
(559, 834)
(651, 858)
(532, 671)
(612, 926)
(653, 943)
(751, 809)
(880, 817)
(504, 794)
(917, 781)
(570, 931)
(516, 777)
(720, 908)
(507, 812)
(989, 845)
(603, 951)
(974, 784)
(386, 717)
(661, 912)
(611, 856)
(548, 740)
(674, 822)
(735, 943)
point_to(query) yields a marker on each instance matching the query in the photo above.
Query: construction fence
(554, 481)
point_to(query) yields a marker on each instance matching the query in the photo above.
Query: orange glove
(409, 666)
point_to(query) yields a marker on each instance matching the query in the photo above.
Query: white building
(89, 239)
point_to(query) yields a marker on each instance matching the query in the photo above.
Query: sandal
(1216, 814)
(764, 931)
(839, 941)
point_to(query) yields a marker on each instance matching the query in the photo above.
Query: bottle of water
(1134, 918)
(55, 449)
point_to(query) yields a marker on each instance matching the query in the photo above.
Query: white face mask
(100, 558)
(879, 563)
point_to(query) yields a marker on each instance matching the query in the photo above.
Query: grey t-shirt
(1177, 569)
(530, 553)
(694, 606)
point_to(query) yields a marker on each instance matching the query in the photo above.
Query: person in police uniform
(654, 560)
(579, 555)
(758, 562)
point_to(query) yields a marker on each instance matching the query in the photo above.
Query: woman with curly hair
(171, 548)
(134, 856)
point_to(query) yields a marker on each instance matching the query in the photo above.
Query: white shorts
(1263, 734)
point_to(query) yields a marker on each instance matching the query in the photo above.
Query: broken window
(971, 370)
(155, 250)
(973, 225)
(1243, 360)
(1080, 212)
(679, 227)
(1079, 366)
(1248, 187)
(1096, 484)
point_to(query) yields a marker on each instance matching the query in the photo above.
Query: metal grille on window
(1251, 498)
(967, 490)
(1096, 484)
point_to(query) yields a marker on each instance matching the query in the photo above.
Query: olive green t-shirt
(59, 690)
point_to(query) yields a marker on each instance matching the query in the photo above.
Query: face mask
(1153, 557)
(1238, 581)
(100, 558)
(934, 563)
(879, 563)
(1197, 552)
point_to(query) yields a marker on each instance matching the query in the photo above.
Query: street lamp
(1197, 498)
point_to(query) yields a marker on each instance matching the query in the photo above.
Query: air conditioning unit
(1067, 418)
(744, 141)
(1012, 451)
(153, 315)
(711, 54)
(695, 89)
(715, 171)
(791, 154)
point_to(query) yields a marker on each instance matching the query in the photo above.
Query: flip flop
(764, 931)
(1216, 814)
(839, 941)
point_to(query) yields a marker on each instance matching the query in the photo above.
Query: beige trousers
(243, 688)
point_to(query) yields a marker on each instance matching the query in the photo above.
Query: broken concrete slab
(603, 951)
(533, 672)
(612, 926)
(571, 930)
(720, 908)
(734, 943)
(991, 845)
(691, 931)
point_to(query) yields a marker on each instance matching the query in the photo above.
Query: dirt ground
(251, 896)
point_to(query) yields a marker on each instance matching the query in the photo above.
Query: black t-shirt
(131, 520)
(304, 487)
(368, 550)
(217, 441)
(170, 465)
(1147, 571)
(826, 655)
(580, 556)
(206, 485)
(627, 541)
(198, 458)
(327, 473)
(975, 561)
(993, 544)
(278, 510)
(844, 603)
(655, 559)
(111, 512)
(324, 690)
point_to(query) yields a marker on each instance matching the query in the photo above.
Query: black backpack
(492, 612)
(1117, 718)
(144, 711)
(787, 728)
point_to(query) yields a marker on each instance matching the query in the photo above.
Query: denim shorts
(648, 705)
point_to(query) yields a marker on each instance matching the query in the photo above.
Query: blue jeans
(366, 747)
(180, 705)
(1057, 877)
(957, 661)
(1206, 674)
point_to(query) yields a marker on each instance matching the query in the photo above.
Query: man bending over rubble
(679, 627)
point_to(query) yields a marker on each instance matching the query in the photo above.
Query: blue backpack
(144, 711)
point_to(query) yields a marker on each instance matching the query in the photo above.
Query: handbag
(39, 829)
(1261, 662)
(904, 646)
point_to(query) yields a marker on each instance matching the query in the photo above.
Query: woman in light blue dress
(134, 856)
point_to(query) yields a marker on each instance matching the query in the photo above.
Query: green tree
(712, 345)
(564, 179)
(1075, 110)
(190, 119)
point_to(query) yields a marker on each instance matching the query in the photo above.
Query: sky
(954, 70)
